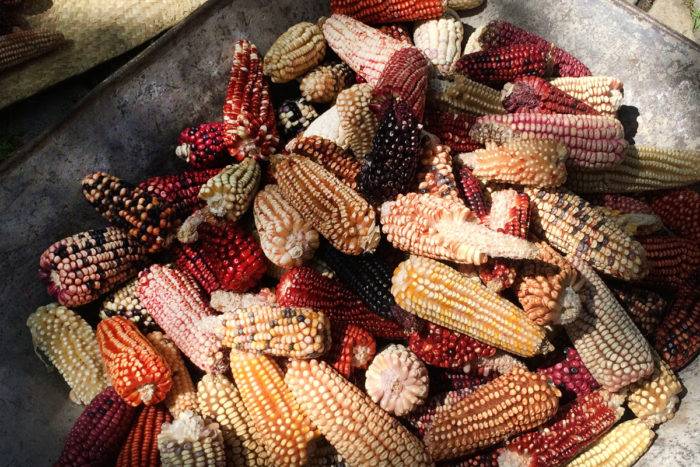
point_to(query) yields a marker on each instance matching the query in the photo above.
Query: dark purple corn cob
(202, 147)
(532, 94)
(495, 67)
(471, 192)
(295, 116)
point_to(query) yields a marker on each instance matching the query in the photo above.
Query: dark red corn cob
(671, 260)
(305, 287)
(645, 307)
(570, 374)
(421, 418)
(96, 437)
(181, 191)
(398, 32)
(624, 204)
(141, 446)
(471, 192)
(202, 147)
(495, 67)
(388, 11)
(352, 347)
(443, 348)
(390, 168)
(409, 322)
(532, 94)
(452, 129)
(679, 210)
(405, 77)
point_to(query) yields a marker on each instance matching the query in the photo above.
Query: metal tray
(129, 124)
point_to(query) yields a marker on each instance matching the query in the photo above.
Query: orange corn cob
(331, 156)
(405, 77)
(296, 51)
(654, 398)
(532, 94)
(19, 46)
(322, 84)
(141, 446)
(388, 11)
(181, 396)
(358, 124)
(435, 173)
(603, 93)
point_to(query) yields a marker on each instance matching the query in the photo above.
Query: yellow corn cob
(125, 302)
(464, 95)
(603, 93)
(284, 429)
(333, 209)
(230, 192)
(435, 174)
(643, 168)
(20, 46)
(358, 124)
(218, 399)
(361, 432)
(620, 447)
(654, 398)
(181, 396)
(460, 5)
(327, 126)
(295, 52)
(440, 40)
(70, 345)
(438, 293)
(191, 440)
(322, 84)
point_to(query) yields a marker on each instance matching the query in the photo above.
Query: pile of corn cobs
(501, 318)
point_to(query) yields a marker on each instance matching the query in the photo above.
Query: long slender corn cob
(405, 77)
(435, 174)
(181, 191)
(680, 211)
(671, 260)
(141, 446)
(296, 51)
(358, 124)
(438, 293)
(294, 116)
(471, 192)
(654, 398)
(359, 430)
(388, 11)
(452, 129)
(532, 94)
(464, 95)
(499, 65)
(569, 374)
(440, 40)
(231, 191)
(22, 45)
(331, 156)
(322, 84)
(646, 307)
(444, 348)
(352, 347)
(603, 93)
(191, 440)
(125, 302)
(620, 447)
(181, 396)
(202, 146)
(69, 344)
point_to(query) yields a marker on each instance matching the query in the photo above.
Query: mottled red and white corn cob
(603, 93)
(620, 447)
(405, 77)
(202, 147)
(179, 306)
(569, 374)
(249, 118)
(19, 46)
(182, 395)
(80, 268)
(296, 51)
(400, 32)
(331, 156)
(498, 274)
(654, 398)
(444, 348)
(462, 95)
(358, 124)
(671, 260)
(532, 94)
(452, 129)
(471, 192)
(230, 192)
(352, 347)
(295, 116)
(191, 440)
(680, 211)
(440, 40)
(322, 84)
(125, 302)
(593, 141)
(435, 174)
(510, 213)
(180, 191)
(141, 446)
(98, 433)
(497, 66)
(646, 307)
(388, 11)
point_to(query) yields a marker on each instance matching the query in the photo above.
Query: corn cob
(178, 305)
(284, 429)
(333, 209)
(19, 46)
(632, 224)
(498, 275)
(296, 51)
(571, 226)
(191, 440)
(325, 455)
(646, 308)
(654, 398)
(610, 345)
(508, 405)
(331, 156)
(622, 203)
(249, 118)
(69, 344)
(620, 447)
(359, 430)
(180, 191)
(455, 381)
(125, 302)
(231, 191)
(326, 126)
(181, 396)
(444, 348)
(452, 129)
(352, 347)
(497, 66)
(462, 95)
(445, 229)
(421, 418)
(231, 301)
(405, 77)
(460, 5)
(643, 168)
(303, 287)
(532, 94)
(358, 124)
(98, 433)
(440, 40)
(80, 268)
(471, 192)
(671, 260)
(295, 116)
(680, 211)
(141, 446)
(510, 213)
(202, 147)
(400, 32)
(435, 174)
(388, 11)
(569, 374)
(603, 93)
(421, 286)
(322, 84)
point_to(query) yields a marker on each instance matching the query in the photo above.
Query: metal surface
(129, 124)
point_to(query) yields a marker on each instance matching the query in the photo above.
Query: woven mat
(97, 30)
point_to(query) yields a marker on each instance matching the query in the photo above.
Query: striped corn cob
(202, 146)
(179, 306)
(569, 374)
(400, 32)
(181, 396)
(333, 209)
(352, 347)
(231, 191)
(610, 345)
(284, 429)
(421, 418)
(440, 40)
(125, 302)
(180, 191)
(98, 433)
(510, 213)
(444, 348)
(191, 440)
(405, 77)
(358, 125)
(471, 192)
(593, 141)
(513, 403)
(19, 46)
(360, 431)
(141, 446)
(462, 95)
(388, 11)
(80, 268)
(231, 301)
(643, 168)
(671, 260)
(452, 129)
(303, 287)
(646, 307)
(654, 398)
(69, 344)
(295, 116)
(331, 156)
(296, 51)
(435, 173)
(620, 447)
(326, 126)
(322, 84)
(575, 426)
(680, 211)
(499, 65)
(603, 93)
(573, 227)
(439, 294)
(445, 229)
(219, 399)
(532, 94)
(249, 118)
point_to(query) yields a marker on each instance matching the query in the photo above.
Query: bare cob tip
(183, 151)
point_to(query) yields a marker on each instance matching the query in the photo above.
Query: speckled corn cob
(603, 93)
(80, 268)
(125, 302)
(296, 51)
(499, 65)
(360, 431)
(388, 11)
(219, 399)
(571, 226)
(513, 403)
(438, 293)
(284, 429)
(178, 305)
(202, 146)
(405, 77)
(680, 211)
(671, 260)
(593, 141)
(471, 192)
(643, 168)
(249, 118)
(456, 381)
(435, 173)
(397, 31)
(569, 374)
(620, 447)
(231, 191)
(333, 209)
(295, 116)
(440, 40)
(654, 398)
(352, 348)
(181, 396)
(180, 191)
(331, 156)
(98, 433)
(322, 84)
(358, 124)
(141, 446)
(462, 95)
(444, 348)
(532, 94)
(610, 345)
(22, 45)
(191, 440)
(646, 307)
(452, 129)
(69, 344)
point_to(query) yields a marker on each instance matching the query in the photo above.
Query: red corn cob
(498, 274)
(405, 77)
(141, 446)
(202, 147)
(671, 260)
(388, 11)
(96, 437)
(304, 287)
(471, 192)
(352, 347)
(249, 118)
(444, 348)
(398, 32)
(645, 307)
(624, 204)
(453, 381)
(680, 211)
(495, 67)
(488, 458)
(452, 129)
(181, 191)
(570, 374)
(532, 94)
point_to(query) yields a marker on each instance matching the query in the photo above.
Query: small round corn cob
(462, 95)
(672, 260)
(326, 126)
(532, 94)
(295, 116)
(331, 156)
(296, 51)
(405, 77)
(654, 398)
(69, 344)
(202, 147)
(125, 302)
(322, 84)
(646, 307)
(19, 46)
(620, 447)
(141, 446)
(181, 396)
(231, 191)
(181, 191)
(435, 173)
(444, 348)
(452, 129)
(680, 211)
(352, 347)
(440, 40)
(569, 374)
(603, 93)
(231, 301)
(358, 125)
(191, 440)
(499, 65)
(388, 11)
(397, 31)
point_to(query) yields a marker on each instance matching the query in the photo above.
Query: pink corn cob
(405, 77)
(570, 374)
(495, 67)
(388, 11)
(532, 94)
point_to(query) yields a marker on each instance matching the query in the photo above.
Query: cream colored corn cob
(440, 40)
(358, 124)
(182, 395)
(460, 5)
(230, 192)
(295, 52)
(620, 447)
(603, 93)
(464, 95)
(654, 398)
(191, 440)
(125, 302)
(327, 126)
